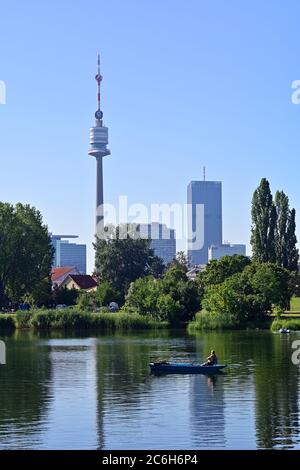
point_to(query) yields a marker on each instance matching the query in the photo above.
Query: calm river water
(94, 391)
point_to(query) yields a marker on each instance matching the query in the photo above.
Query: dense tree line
(273, 236)
(130, 273)
(241, 290)
(173, 297)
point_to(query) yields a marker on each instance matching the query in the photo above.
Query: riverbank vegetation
(292, 324)
(71, 318)
(239, 293)
(233, 292)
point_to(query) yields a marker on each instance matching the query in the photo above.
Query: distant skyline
(184, 85)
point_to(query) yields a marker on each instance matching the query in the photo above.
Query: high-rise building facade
(163, 240)
(68, 254)
(227, 249)
(204, 200)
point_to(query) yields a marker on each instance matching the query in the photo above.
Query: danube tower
(98, 149)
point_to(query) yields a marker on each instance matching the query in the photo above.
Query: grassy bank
(208, 321)
(76, 319)
(290, 324)
(212, 321)
(295, 304)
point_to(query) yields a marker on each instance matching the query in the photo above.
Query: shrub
(76, 319)
(43, 319)
(23, 318)
(63, 295)
(213, 321)
(169, 309)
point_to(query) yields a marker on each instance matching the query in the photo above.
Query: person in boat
(212, 359)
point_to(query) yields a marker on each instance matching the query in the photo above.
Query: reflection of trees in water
(123, 379)
(276, 384)
(122, 365)
(232, 347)
(123, 372)
(263, 359)
(23, 391)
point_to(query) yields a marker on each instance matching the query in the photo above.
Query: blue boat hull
(171, 368)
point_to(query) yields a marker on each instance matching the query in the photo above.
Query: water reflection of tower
(73, 394)
(207, 412)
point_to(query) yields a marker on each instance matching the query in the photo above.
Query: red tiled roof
(56, 273)
(84, 281)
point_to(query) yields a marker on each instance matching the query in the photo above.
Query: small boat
(184, 368)
(284, 331)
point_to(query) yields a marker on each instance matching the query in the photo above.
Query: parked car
(60, 306)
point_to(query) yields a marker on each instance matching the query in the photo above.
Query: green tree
(63, 295)
(273, 282)
(87, 301)
(282, 215)
(287, 254)
(186, 293)
(218, 270)
(182, 260)
(143, 295)
(106, 293)
(173, 297)
(25, 251)
(156, 266)
(263, 224)
(122, 257)
(168, 308)
(235, 300)
(250, 294)
(292, 251)
(41, 295)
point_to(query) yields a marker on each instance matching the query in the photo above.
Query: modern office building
(68, 254)
(163, 240)
(204, 200)
(217, 252)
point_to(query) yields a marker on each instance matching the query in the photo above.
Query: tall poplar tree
(292, 251)
(263, 224)
(281, 235)
(273, 236)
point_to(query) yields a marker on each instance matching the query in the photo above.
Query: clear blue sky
(186, 84)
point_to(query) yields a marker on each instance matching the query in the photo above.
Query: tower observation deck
(98, 149)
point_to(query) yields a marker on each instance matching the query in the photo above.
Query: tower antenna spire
(98, 78)
(204, 173)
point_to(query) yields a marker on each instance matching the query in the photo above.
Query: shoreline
(71, 320)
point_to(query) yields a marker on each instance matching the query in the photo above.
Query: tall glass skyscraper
(163, 240)
(204, 200)
(68, 254)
